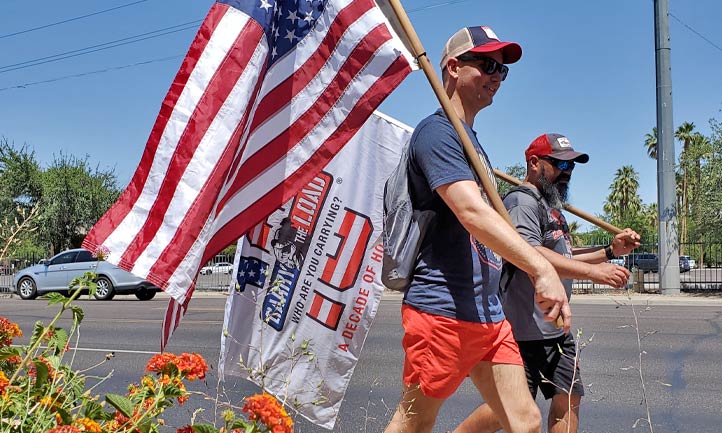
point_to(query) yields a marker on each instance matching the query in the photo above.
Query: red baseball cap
(557, 146)
(480, 39)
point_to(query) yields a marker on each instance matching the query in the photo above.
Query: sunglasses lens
(487, 65)
(504, 71)
(565, 165)
(561, 165)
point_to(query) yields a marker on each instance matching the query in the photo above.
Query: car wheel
(27, 289)
(105, 291)
(145, 294)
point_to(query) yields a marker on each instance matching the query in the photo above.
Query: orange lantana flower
(88, 425)
(265, 408)
(8, 331)
(191, 365)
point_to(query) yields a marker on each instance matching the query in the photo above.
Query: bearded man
(549, 353)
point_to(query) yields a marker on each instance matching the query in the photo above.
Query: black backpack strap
(545, 224)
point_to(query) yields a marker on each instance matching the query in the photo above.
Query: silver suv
(55, 275)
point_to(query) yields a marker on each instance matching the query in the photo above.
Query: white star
(252, 274)
(274, 53)
(276, 33)
(292, 16)
(308, 17)
(290, 35)
(241, 274)
(265, 5)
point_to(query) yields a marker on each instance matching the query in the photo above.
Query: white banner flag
(308, 279)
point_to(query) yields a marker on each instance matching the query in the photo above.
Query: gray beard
(554, 193)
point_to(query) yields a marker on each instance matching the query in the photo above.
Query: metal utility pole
(666, 187)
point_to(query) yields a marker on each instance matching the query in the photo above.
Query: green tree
(684, 134)
(20, 192)
(709, 225)
(650, 143)
(623, 203)
(698, 153)
(74, 198)
(517, 171)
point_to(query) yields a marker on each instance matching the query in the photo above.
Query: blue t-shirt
(455, 275)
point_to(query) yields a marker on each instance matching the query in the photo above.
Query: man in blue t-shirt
(454, 325)
(549, 354)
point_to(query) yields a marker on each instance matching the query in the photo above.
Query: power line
(100, 47)
(695, 31)
(436, 5)
(69, 54)
(99, 71)
(70, 19)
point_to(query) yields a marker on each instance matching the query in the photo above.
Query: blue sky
(587, 72)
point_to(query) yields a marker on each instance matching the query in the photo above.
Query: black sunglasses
(486, 64)
(561, 165)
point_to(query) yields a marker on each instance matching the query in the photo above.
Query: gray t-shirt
(550, 231)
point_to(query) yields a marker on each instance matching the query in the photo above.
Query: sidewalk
(714, 298)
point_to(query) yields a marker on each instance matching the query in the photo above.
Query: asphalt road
(680, 339)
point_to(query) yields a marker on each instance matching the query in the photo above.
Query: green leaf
(59, 340)
(41, 374)
(65, 416)
(78, 315)
(240, 424)
(9, 352)
(37, 332)
(93, 410)
(204, 428)
(54, 298)
(145, 426)
(123, 404)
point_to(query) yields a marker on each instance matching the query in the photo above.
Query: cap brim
(570, 155)
(510, 51)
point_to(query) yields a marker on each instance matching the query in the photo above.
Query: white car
(618, 261)
(691, 261)
(217, 268)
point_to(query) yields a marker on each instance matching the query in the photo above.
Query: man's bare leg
(482, 420)
(505, 390)
(560, 420)
(415, 413)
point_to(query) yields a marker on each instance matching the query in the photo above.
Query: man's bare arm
(489, 228)
(601, 273)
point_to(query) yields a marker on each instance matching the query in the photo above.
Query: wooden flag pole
(471, 154)
(578, 212)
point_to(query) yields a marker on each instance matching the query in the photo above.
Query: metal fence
(705, 276)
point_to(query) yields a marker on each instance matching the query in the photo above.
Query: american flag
(268, 93)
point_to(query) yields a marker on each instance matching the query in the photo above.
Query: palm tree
(700, 148)
(685, 135)
(574, 233)
(650, 143)
(623, 201)
(653, 214)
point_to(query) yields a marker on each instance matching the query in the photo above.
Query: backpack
(404, 228)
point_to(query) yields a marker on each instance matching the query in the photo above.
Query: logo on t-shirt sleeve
(486, 256)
